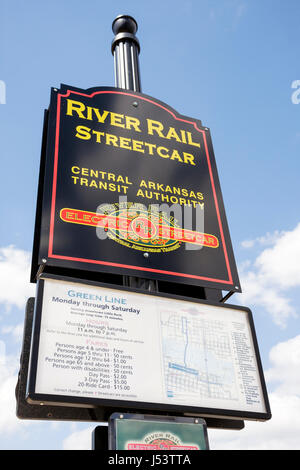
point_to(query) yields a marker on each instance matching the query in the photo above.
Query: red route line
(54, 186)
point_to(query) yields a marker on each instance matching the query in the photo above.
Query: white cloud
(268, 239)
(248, 243)
(79, 440)
(14, 277)
(281, 432)
(8, 419)
(275, 270)
(257, 291)
(2, 353)
(15, 330)
(14, 292)
(280, 264)
(285, 361)
(9, 423)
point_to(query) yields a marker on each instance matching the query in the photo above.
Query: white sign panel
(102, 343)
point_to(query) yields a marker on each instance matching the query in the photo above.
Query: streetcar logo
(139, 228)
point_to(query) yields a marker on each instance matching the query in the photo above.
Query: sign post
(125, 49)
(131, 254)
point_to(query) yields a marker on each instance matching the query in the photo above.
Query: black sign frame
(47, 212)
(137, 407)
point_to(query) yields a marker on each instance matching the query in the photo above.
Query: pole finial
(124, 24)
(124, 28)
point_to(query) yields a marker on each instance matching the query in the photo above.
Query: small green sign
(141, 432)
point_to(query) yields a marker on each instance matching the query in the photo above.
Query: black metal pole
(125, 49)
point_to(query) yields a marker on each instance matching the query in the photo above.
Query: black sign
(131, 187)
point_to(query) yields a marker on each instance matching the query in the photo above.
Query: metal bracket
(226, 297)
(41, 269)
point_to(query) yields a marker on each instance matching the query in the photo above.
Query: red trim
(217, 210)
(54, 184)
(53, 199)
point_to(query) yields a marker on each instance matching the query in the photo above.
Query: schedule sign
(131, 187)
(96, 345)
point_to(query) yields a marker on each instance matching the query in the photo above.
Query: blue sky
(230, 63)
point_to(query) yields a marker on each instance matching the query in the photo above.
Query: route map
(197, 356)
